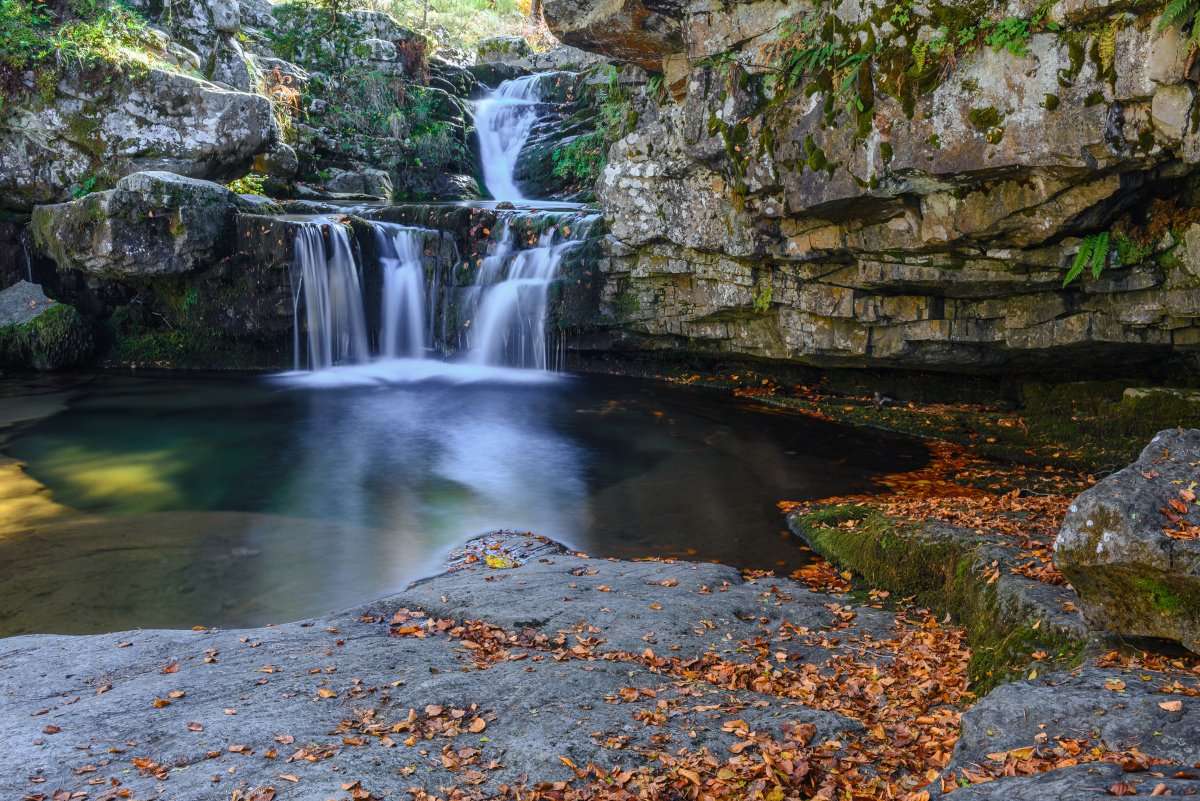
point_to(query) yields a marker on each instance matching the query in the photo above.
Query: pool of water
(236, 501)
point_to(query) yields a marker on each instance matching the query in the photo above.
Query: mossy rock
(58, 337)
(1007, 619)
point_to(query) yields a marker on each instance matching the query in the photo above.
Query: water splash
(401, 259)
(503, 120)
(325, 279)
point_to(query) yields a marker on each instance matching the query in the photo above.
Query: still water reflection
(240, 501)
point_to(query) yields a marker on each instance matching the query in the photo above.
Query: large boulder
(152, 223)
(638, 31)
(1131, 544)
(502, 50)
(100, 125)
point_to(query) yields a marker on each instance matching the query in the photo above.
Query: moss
(1093, 99)
(1159, 595)
(982, 119)
(1050, 102)
(58, 337)
(941, 574)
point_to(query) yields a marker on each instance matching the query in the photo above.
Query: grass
(85, 32)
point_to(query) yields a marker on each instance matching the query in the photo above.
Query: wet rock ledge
(524, 662)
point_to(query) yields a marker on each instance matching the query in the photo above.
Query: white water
(404, 328)
(325, 276)
(503, 120)
(510, 326)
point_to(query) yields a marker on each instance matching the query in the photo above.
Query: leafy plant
(85, 188)
(251, 184)
(762, 301)
(1182, 14)
(1092, 251)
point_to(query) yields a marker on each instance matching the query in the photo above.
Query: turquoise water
(241, 501)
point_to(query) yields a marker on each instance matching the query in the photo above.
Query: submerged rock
(1130, 545)
(151, 223)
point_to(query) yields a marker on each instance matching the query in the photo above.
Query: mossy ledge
(58, 337)
(952, 570)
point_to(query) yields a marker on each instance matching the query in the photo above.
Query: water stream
(503, 120)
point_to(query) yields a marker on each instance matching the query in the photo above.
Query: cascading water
(499, 319)
(503, 120)
(510, 325)
(325, 277)
(400, 256)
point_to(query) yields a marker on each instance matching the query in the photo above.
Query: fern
(1182, 14)
(1107, 47)
(1093, 251)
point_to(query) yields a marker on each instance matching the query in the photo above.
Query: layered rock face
(904, 185)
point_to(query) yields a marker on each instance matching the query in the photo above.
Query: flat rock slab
(1117, 709)
(197, 714)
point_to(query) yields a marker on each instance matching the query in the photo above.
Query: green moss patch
(946, 575)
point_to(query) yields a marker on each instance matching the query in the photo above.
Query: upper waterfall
(503, 120)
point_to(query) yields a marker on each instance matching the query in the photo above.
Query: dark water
(237, 501)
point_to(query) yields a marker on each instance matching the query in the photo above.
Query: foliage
(35, 37)
(762, 301)
(583, 158)
(1182, 14)
(460, 23)
(1093, 251)
(251, 184)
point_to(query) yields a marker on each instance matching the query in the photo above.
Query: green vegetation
(1092, 251)
(33, 37)
(583, 158)
(462, 23)
(58, 337)
(1182, 14)
(251, 184)
(946, 575)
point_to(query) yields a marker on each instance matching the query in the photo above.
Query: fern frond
(1099, 254)
(1081, 260)
(1177, 12)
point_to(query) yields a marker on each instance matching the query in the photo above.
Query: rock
(1171, 110)
(502, 50)
(1118, 709)
(368, 181)
(1191, 249)
(535, 709)
(1136, 393)
(1132, 578)
(278, 162)
(36, 332)
(103, 126)
(151, 223)
(624, 30)
(560, 58)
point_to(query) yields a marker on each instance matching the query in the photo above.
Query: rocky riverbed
(529, 669)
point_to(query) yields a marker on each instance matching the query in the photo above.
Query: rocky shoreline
(528, 666)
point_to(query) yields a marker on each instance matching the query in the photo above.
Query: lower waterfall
(491, 312)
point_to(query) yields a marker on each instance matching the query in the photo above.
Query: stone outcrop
(922, 211)
(151, 223)
(566, 699)
(627, 30)
(103, 122)
(1130, 545)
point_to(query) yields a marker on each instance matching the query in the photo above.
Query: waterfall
(325, 277)
(400, 256)
(503, 120)
(513, 290)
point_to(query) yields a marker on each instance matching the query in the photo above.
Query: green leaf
(1081, 260)
(1099, 254)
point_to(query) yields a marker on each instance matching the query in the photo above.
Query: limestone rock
(151, 223)
(109, 125)
(367, 181)
(1132, 577)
